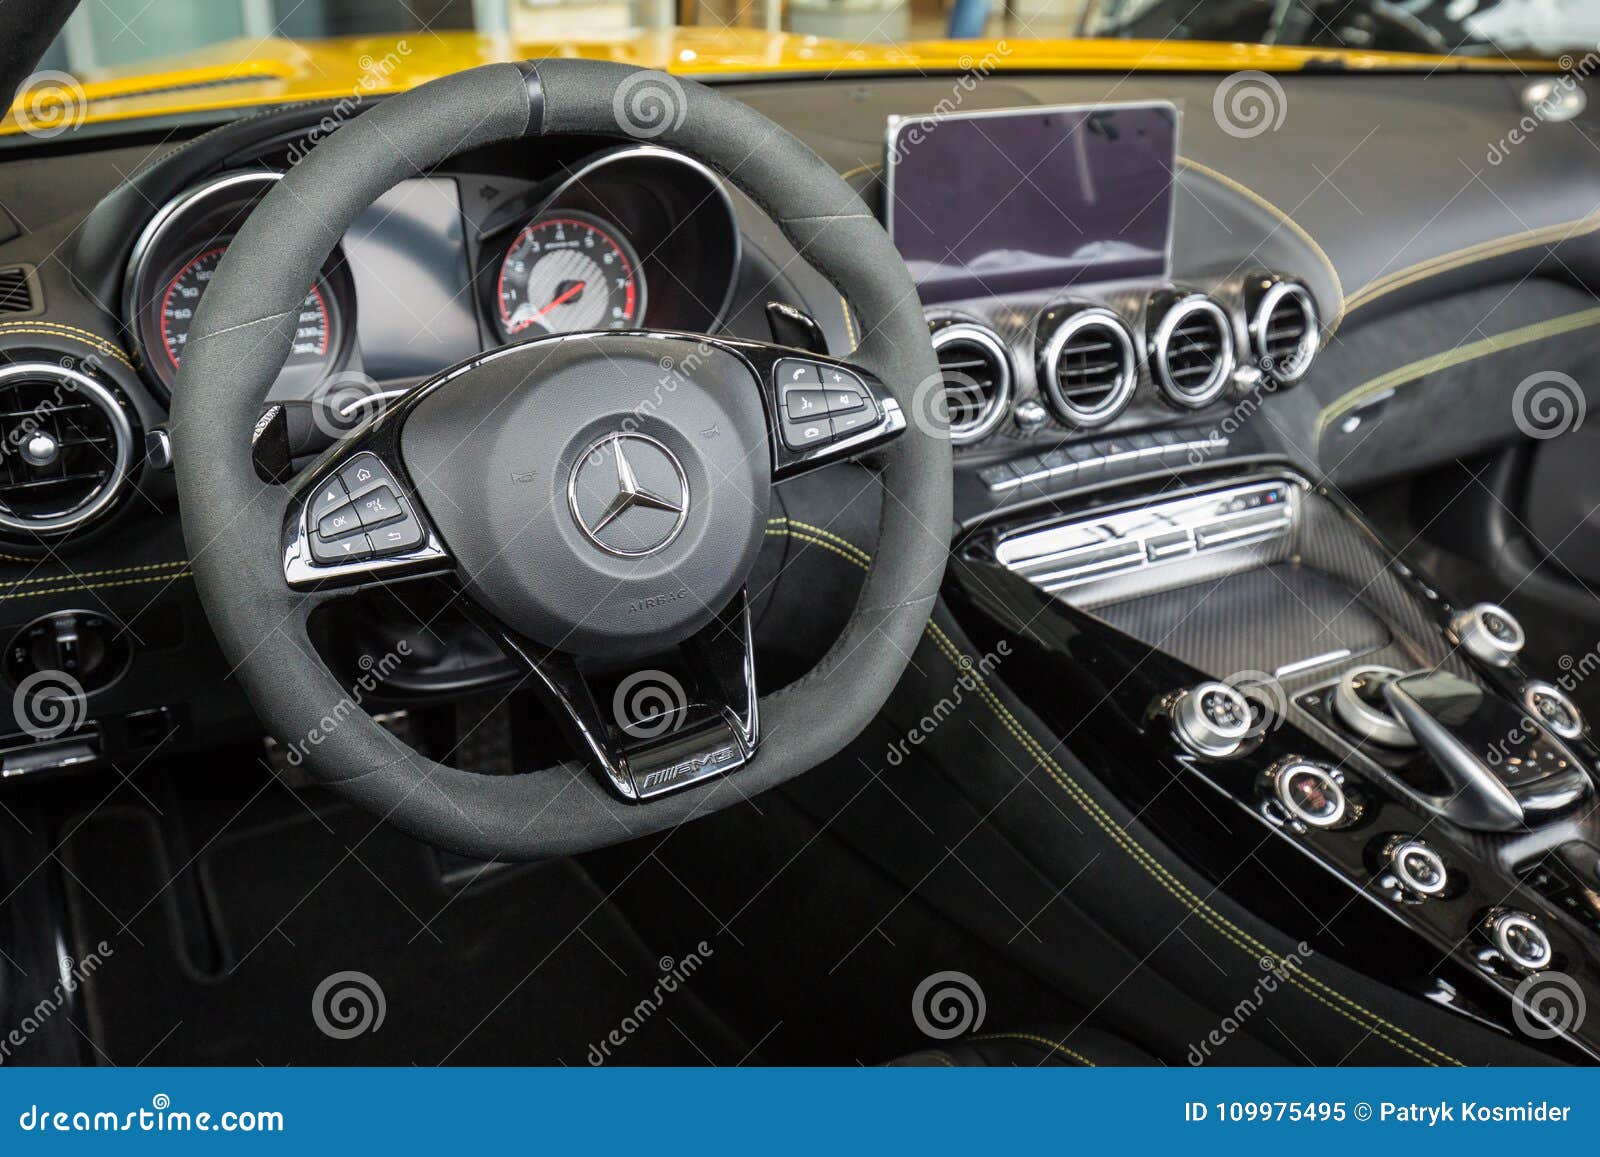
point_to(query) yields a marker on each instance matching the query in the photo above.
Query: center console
(1242, 659)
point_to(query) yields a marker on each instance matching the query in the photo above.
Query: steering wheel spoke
(658, 733)
(354, 520)
(822, 410)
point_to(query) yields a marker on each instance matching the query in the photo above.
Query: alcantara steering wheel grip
(563, 507)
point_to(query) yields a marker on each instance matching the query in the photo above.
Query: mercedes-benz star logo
(628, 495)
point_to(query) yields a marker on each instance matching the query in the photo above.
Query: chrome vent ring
(1192, 350)
(976, 368)
(66, 448)
(1088, 367)
(1284, 331)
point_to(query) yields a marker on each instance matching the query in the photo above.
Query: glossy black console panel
(1359, 887)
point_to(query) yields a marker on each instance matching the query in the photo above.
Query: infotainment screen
(989, 203)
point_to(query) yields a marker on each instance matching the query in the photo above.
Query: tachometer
(569, 271)
(313, 335)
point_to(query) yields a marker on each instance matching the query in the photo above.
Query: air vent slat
(1191, 349)
(65, 448)
(16, 292)
(1284, 330)
(1087, 367)
(976, 373)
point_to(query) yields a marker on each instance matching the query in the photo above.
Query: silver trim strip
(1204, 445)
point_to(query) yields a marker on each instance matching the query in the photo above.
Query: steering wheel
(594, 497)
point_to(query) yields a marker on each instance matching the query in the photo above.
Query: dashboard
(1269, 319)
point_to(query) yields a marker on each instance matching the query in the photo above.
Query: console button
(805, 405)
(844, 401)
(1489, 633)
(1519, 939)
(1550, 706)
(397, 537)
(794, 372)
(329, 497)
(364, 472)
(1419, 869)
(850, 423)
(342, 523)
(805, 435)
(350, 549)
(378, 507)
(1311, 796)
(1211, 719)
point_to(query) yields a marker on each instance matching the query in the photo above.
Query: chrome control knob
(1551, 706)
(1029, 416)
(1489, 633)
(1519, 939)
(1211, 719)
(1359, 704)
(1309, 794)
(1418, 868)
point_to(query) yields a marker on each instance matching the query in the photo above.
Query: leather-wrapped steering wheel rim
(233, 522)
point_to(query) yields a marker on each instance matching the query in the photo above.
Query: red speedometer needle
(572, 291)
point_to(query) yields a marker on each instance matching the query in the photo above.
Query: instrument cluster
(437, 270)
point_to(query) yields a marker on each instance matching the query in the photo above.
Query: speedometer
(569, 271)
(313, 334)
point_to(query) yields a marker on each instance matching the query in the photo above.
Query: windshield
(132, 37)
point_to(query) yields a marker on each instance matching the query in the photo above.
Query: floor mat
(318, 938)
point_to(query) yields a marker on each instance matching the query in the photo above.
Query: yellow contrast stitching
(1142, 856)
(1470, 255)
(182, 562)
(1054, 1046)
(861, 556)
(1219, 923)
(1417, 370)
(60, 329)
(1299, 230)
(167, 576)
(849, 322)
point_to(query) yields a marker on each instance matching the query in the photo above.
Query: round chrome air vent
(66, 448)
(1191, 349)
(977, 378)
(1088, 367)
(1284, 330)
